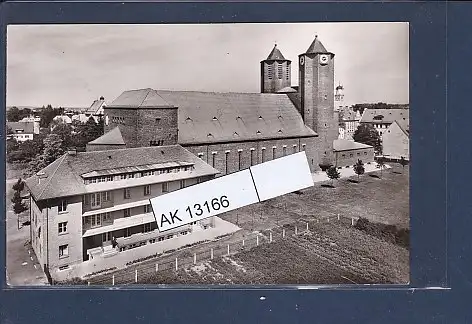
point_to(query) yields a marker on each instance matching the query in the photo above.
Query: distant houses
(22, 131)
(393, 126)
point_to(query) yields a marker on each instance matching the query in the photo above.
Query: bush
(98, 272)
(70, 282)
(388, 233)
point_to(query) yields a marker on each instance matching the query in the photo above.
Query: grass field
(331, 252)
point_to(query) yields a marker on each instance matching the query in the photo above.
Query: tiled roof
(384, 116)
(63, 176)
(287, 90)
(112, 137)
(404, 126)
(316, 47)
(346, 145)
(209, 117)
(275, 55)
(96, 105)
(142, 98)
(23, 127)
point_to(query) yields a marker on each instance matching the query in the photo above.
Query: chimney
(102, 98)
(41, 175)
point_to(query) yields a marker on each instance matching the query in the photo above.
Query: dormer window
(279, 131)
(260, 117)
(258, 133)
(214, 119)
(235, 134)
(210, 135)
(188, 119)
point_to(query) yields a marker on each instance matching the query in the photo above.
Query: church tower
(316, 86)
(275, 72)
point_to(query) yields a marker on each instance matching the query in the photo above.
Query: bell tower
(275, 72)
(316, 87)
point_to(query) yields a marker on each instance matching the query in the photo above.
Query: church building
(232, 131)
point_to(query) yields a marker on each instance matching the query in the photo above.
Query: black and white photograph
(208, 154)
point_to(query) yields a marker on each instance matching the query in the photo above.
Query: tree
(367, 134)
(333, 174)
(359, 168)
(53, 149)
(403, 162)
(19, 185)
(87, 132)
(18, 205)
(13, 114)
(65, 132)
(381, 164)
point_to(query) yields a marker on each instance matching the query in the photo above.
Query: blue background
(441, 246)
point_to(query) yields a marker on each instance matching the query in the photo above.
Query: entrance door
(106, 238)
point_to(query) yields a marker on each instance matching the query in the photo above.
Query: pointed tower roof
(113, 137)
(276, 55)
(316, 47)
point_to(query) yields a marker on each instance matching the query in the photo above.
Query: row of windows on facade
(252, 156)
(96, 199)
(351, 154)
(122, 120)
(280, 73)
(132, 175)
(104, 218)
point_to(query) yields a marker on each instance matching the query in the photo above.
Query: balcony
(87, 206)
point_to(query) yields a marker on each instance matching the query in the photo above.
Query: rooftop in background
(316, 47)
(404, 126)
(384, 116)
(346, 145)
(21, 127)
(94, 109)
(209, 117)
(63, 177)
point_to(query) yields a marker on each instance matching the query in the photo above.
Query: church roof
(64, 177)
(316, 47)
(275, 55)
(112, 137)
(404, 126)
(209, 117)
(142, 98)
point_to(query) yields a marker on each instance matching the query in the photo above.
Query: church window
(213, 160)
(226, 162)
(284, 149)
(273, 152)
(280, 71)
(200, 155)
(158, 120)
(263, 154)
(239, 160)
(303, 147)
(287, 73)
(252, 156)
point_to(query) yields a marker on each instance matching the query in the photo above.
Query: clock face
(324, 59)
(302, 60)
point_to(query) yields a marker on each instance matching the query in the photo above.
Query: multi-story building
(381, 119)
(88, 205)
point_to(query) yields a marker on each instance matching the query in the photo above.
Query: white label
(206, 199)
(258, 183)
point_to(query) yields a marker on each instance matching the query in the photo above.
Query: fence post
(211, 253)
(113, 280)
(328, 219)
(136, 275)
(176, 264)
(283, 232)
(243, 242)
(270, 237)
(195, 258)
(228, 249)
(307, 226)
(338, 216)
(157, 267)
(296, 230)
(352, 221)
(257, 240)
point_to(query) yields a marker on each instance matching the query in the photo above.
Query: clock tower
(316, 87)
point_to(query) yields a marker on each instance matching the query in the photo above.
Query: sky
(72, 65)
